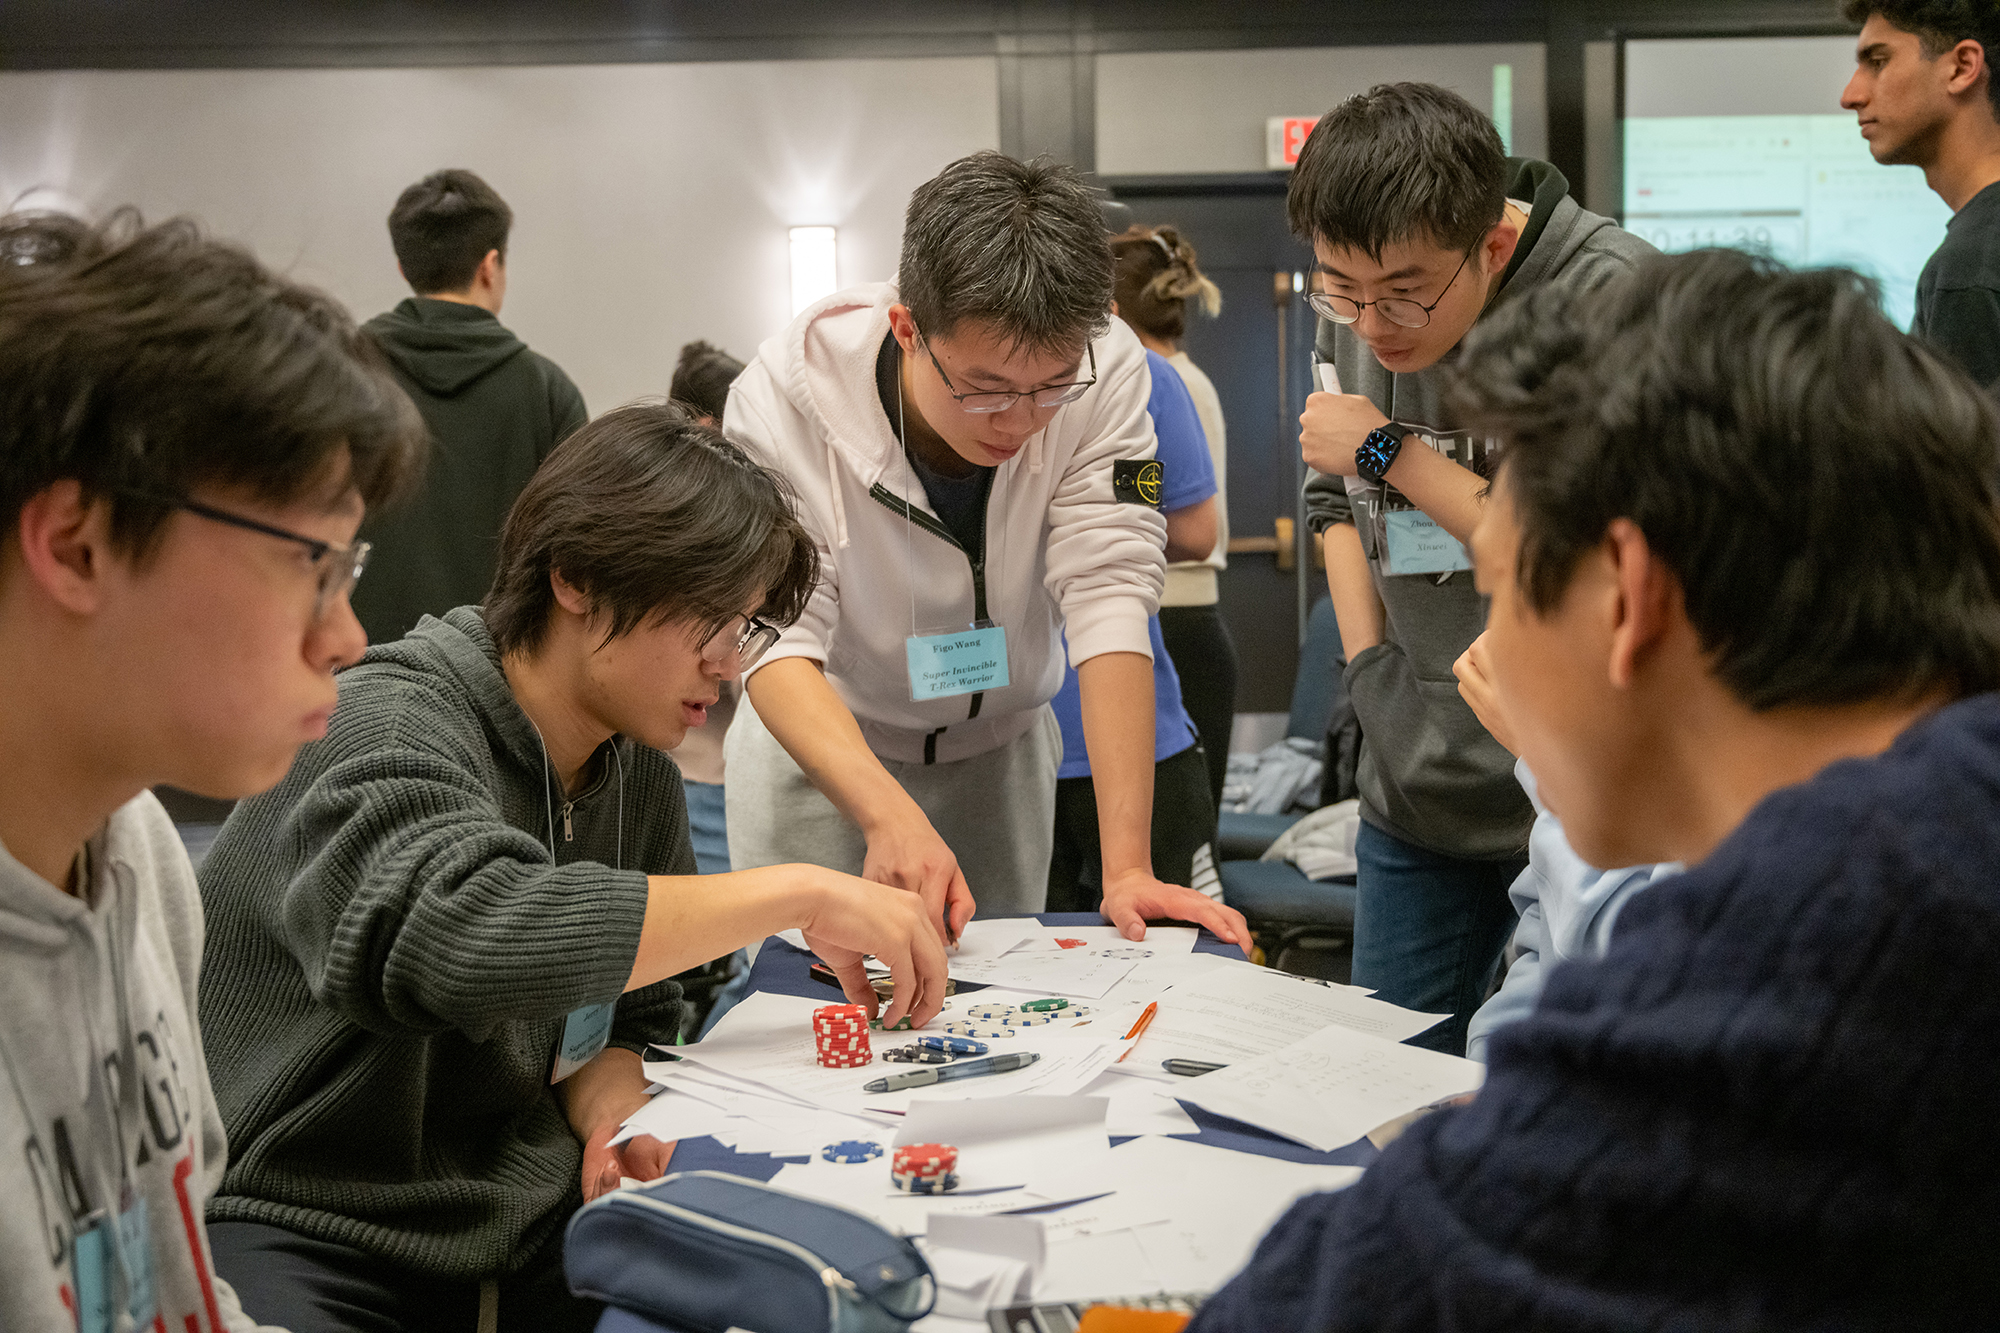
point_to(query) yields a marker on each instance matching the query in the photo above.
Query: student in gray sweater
(1421, 226)
(438, 949)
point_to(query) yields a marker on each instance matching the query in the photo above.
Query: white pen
(917, 1078)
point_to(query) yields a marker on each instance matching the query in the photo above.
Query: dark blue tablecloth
(782, 969)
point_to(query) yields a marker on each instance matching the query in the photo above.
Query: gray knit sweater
(392, 951)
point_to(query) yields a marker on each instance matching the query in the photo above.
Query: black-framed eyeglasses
(1049, 395)
(746, 645)
(338, 568)
(1403, 310)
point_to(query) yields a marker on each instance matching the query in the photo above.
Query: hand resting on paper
(1133, 898)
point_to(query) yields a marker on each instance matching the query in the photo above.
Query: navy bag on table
(706, 1251)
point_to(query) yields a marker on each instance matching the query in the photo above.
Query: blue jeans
(1429, 928)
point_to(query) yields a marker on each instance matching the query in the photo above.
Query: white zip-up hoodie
(1061, 550)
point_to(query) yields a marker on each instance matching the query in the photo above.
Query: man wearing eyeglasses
(1420, 224)
(188, 444)
(972, 453)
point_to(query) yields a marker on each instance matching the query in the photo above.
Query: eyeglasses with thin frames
(1402, 310)
(1048, 395)
(338, 568)
(747, 645)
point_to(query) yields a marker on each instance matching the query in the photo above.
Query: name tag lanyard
(111, 1266)
(954, 661)
(1409, 542)
(587, 1030)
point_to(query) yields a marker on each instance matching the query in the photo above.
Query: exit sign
(1284, 136)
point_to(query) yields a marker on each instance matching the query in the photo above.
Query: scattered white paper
(982, 1263)
(1076, 973)
(1139, 1106)
(1220, 1204)
(1231, 1014)
(1055, 1147)
(1331, 1087)
(1160, 941)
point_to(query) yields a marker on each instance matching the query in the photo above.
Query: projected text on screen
(1802, 188)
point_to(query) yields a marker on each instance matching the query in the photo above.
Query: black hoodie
(495, 409)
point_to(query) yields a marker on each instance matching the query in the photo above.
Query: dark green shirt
(392, 951)
(495, 409)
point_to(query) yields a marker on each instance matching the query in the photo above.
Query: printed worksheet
(1333, 1086)
(1230, 1014)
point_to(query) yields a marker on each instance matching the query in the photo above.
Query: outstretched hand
(853, 918)
(913, 857)
(1132, 898)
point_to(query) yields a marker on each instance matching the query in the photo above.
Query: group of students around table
(1738, 543)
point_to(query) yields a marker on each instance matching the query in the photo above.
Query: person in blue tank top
(1183, 809)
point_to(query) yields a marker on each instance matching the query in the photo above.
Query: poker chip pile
(1007, 1020)
(925, 1168)
(840, 1036)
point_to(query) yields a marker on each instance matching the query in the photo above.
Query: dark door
(1237, 226)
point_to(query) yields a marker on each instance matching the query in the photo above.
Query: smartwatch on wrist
(1378, 450)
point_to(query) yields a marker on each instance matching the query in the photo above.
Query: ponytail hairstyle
(1155, 278)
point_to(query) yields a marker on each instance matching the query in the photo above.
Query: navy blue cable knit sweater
(1773, 1105)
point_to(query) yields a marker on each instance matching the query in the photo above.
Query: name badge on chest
(584, 1034)
(1413, 543)
(964, 661)
(94, 1269)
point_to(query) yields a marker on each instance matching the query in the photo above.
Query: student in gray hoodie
(439, 947)
(1420, 225)
(187, 442)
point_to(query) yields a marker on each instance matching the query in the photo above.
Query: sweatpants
(996, 811)
(317, 1286)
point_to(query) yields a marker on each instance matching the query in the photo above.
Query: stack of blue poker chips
(953, 1045)
(916, 1055)
(851, 1150)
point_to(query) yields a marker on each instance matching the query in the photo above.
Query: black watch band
(1378, 450)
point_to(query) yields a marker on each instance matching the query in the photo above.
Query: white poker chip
(981, 1030)
(992, 1011)
(1125, 953)
(1025, 1020)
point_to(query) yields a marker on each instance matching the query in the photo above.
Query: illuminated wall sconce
(812, 265)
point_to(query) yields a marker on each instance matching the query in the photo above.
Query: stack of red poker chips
(840, 1036)
(925, 1168)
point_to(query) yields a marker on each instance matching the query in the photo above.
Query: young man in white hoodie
(972, 452)
(187, 444)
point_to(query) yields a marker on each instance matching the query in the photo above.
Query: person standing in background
(1923, 92)
(701, 381)
(1421, 225)
(494, 408)
(1155, 280)
(701, 385)
(1183, 821)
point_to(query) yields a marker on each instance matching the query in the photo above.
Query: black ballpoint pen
(917, 1078)
(1190, 1068)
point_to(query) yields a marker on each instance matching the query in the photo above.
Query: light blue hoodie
(1568, 908)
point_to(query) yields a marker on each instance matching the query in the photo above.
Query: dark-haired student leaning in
(1770, 1105)
(187, 443)
(438, 948)
(1422, 227)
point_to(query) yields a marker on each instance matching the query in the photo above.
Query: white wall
(651, 201)
(1737, 76)
(1168, 112)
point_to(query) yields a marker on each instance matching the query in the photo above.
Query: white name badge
(585, 1032)
(960, 662)
(1417, 545)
